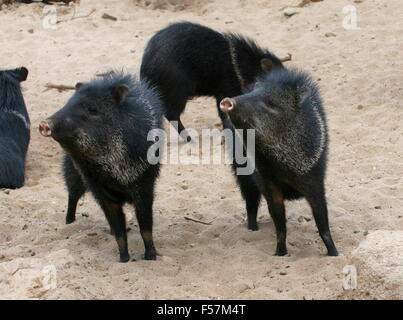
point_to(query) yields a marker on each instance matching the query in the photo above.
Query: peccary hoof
(150, 256)
(333, 253)
(70, 220)
(281, 251)
(253, 226)
(124, 258)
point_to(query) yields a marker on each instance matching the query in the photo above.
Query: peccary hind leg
(320, 214)
(173, 113)
(72, 207)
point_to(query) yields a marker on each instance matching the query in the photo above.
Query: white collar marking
(18, 115)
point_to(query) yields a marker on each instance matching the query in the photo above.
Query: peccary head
(92, 118)
(104, 126)
(285, 109)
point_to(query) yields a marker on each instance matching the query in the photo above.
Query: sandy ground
(360, 73)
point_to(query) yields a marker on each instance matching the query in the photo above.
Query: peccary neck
(111, 160)
(301, 147)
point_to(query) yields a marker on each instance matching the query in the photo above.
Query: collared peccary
(186, 60)
(14, 129)
(285, 109)
(104, 130)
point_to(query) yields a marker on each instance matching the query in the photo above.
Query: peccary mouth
(227, 104)
(48, 129)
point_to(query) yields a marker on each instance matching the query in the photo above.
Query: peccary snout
(227, 104)
(45, 128)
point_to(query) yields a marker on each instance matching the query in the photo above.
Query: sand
(360, 73)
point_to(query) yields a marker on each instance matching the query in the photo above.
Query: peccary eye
(92, 111)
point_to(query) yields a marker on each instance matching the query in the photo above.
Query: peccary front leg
(75, 186)
(252, 196)
(120, 231)
(117, 221)
(249, 189)
(320, 214)
(275, 201)
(145, 220)
(72, 207)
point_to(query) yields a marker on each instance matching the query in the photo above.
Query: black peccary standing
(14, 129)
(104, 130)
(285, 110)
(187, 60)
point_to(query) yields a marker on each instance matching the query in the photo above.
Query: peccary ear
(266, 65)
(79, 85)
(21, 74)
(120, 92)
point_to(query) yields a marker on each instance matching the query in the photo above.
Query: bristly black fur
(104, 128)
(285, 110)
(14, 129)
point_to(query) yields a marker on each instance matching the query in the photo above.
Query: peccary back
(186, 60)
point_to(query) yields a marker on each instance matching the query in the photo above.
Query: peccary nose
(227, 104)
(44, 129)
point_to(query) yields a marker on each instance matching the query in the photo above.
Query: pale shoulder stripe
(234, 59)
(18, 115)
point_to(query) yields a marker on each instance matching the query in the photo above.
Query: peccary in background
(103, 128)
(285, 109)
(186, 60)
(14, 129)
